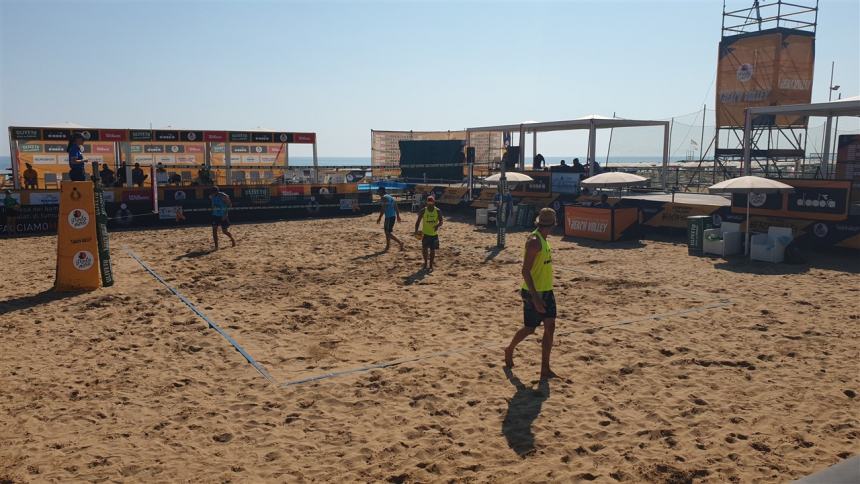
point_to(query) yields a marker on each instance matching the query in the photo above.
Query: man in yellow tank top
(536, 292)
(429, 219)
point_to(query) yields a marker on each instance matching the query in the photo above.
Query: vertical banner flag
(77, 247)
(102, 234)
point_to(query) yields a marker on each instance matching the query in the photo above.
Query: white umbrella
(613, 179)
(750, 185)
(511, 176)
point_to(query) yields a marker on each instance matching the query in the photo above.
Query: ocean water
(6, 162)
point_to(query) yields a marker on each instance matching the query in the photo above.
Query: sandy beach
(673, 368)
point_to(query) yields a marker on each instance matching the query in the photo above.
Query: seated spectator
(538, 162)
(138, 176)
(174, 179)
(160, 174)
(204, 176)
(604, 202)
(31, 178)
(107, 175)
(577, 166)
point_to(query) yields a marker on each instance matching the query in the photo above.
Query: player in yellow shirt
(429, 221)
(536, 292)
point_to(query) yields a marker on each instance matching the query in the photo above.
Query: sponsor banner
(355, 176)
(268, 158)
(257, 196)
(26, 133)
(768, 68)
(563, 182)
(44, 198)
(166, 135)
(153, 149)
(56, 134)
(607, 224)
(262, 137)
(140, 135)
(30, 148)
(194, 148)
(102, 238)
(96, 158)
(102, 148)
(250, 159)
(113, 135)
(54, 148)
(283, 137)
(89, 134)
(137, 195)
(350, 204)
(215, 136)
(304, 137)
(239, 137)
(540, 184)
(142, 159)
(291, 192)
(191, 136)
(240, 149)
(186, 159)
(811, 199)
(32, 219)
(174, 149)
(674, 215)
(45, 159)
(589, 223)
(77, 245)
(165, 159)
(167, 213)
(180, 195)
(259, 149)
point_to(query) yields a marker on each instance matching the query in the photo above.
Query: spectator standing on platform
(76, 158)
(389, 209)
(107, 175)
(138, 176)
(121, 176)
(31, 178)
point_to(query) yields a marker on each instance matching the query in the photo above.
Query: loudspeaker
(470, 155)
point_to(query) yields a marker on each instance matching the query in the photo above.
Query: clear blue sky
(342, 68)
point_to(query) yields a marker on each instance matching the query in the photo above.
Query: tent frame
(829, 110)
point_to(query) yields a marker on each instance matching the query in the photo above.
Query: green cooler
(696, 227)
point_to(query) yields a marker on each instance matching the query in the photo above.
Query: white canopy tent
(592, 123)
(843, 107)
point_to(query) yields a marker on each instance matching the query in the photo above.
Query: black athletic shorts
(217, 220)
(531, 317)
(389, 224)
(430, 242)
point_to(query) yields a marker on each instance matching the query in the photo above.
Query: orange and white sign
(77, 247)
(589, 223)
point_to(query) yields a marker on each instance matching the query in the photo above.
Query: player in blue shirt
(392, 215)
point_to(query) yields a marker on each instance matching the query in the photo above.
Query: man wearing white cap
(536, 292)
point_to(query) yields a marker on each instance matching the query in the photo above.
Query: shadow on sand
(369, 256)
(417, 276)
(194, 254)
(598, 244)
(839, 260)
(26, 302)
(523, 408)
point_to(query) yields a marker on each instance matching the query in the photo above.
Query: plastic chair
(723, 241)
(770, 247)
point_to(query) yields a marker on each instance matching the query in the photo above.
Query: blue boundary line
(203, 316)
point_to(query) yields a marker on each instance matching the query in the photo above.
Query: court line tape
(204, 317)
(443, 354)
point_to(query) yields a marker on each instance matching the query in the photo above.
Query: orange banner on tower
(767, 68)
(77, 246)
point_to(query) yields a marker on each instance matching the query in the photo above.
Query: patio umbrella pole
(747, 245)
